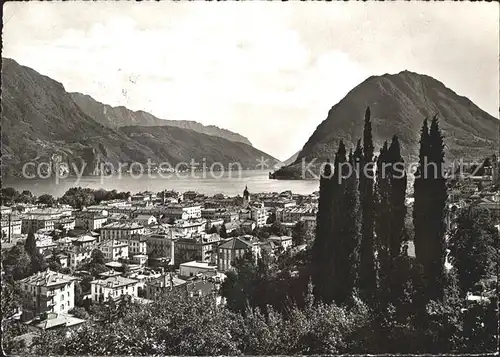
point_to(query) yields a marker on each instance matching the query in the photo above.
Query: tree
(212, 230)
(429, 210)
(278, 229)
(223, 232)
(47, 200)
(25, 197)
(299, 233)
(30, 244)
(474, 247)
(390, 219)
(323, 233)
(37, 262)
(349, 232)
(9, 194)
(16, 262)
(367, 269)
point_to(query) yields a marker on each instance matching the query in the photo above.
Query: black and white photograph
(259, 178)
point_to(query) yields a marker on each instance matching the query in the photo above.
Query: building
(160, 245)
(145, 220)
(141, 259)
(194, 268)
(44, 243)
(259, 215)
(121, 230)
(52, 213)
(190, 227)
(235, 248)
(36, 223)
(162, 285)
(140, 198)
(200, 247)
(284, 242)
(137, 244)
(309, 223)
(67, 223)
(11, 225)
(47, 291)
(214, 223)
(213, 213)
(4, 210)
(78, 256)
(279, 203)
(90, 220)
(97, 209)
(294, 214)
(85, 242)
(114, 250)
(56, 321)
(248, 226)
(492, 204)
(114, 287)
(184, 211)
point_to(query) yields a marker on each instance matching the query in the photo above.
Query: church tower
(246, 197)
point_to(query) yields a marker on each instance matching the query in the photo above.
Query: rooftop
(236, 243)
(195, 264)
(123, 225)
(48, 278)
(59, 320)
(114, 282)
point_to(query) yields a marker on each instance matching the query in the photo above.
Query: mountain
(42, 124)
(291, 159)
(399, 103)
(115, 117)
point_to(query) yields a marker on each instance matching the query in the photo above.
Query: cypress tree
(397, 196)
(367, 271)
(421, 202)
(338, 291)
(398, 182)
(382, 223)
(323, 225)
(429, 211)
(30, 244)
(438, 197)
(352, 219)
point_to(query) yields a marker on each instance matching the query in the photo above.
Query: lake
(229, 183)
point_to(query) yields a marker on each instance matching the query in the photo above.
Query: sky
(267, 70)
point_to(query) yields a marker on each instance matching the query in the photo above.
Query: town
(148, 244)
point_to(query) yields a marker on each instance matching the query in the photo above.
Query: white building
(194, 268)
(121, 230)
(11, 225)
(115, 287)
(137, 244)
(234, 248)
(145, 220)
(90, 220)
(78, 256)
(114, 250)
(182, 211)
(284, 242)
(47, 291)
(259, 215)
(189, 227)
